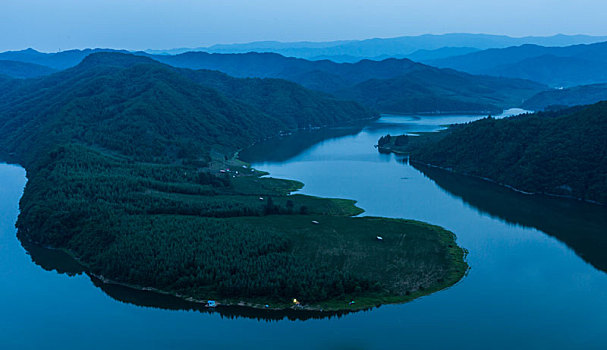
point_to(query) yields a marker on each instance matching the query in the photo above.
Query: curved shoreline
(362, 303)
(412, 161)
(454, 271)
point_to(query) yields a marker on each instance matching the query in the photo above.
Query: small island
(132, 170)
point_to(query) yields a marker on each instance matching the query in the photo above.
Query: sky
(53, 25)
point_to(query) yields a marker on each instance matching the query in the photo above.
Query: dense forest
(439, 91)
(560, 153)
(141, 108)
(130, 169)
(389, 85)
(563, 98)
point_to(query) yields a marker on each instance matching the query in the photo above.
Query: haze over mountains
(413, 47)
(476, 80)
(555, 66)
(55, 60)
(391, 85)
(23, 70)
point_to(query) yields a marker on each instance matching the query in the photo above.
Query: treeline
(127, 169)
(217, 256)
(156, 225)
(389, 86)
(151, 112)
(76, 180)
(560, 153)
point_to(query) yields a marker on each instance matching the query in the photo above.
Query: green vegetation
(439, 91)
(297, 107)
(563, 98)
(389, 86)
(137, 107)
(23, 70)
(559, 153)
(130, 170)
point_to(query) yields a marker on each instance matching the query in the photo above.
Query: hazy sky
(50, 25)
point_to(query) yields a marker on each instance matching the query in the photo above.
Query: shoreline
(552, 195)
(457, 270)
(362, 302)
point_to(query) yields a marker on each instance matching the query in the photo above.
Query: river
(537, 277)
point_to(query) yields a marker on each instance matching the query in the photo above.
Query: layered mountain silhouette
(555, 66)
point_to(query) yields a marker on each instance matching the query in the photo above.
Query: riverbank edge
(459, 268)
(388, 149)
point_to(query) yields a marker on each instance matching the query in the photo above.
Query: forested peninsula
(562, 153)
(131, 170)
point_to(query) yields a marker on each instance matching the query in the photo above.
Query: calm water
(537, 277)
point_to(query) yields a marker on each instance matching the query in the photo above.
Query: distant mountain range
(23, 70)
(391, 85)
(396, 85)
(555, 66)
(56, 60)
(399, 47)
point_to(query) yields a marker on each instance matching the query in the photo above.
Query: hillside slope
(152, 110)
(559, 153)
(440, 92)
(555, 66)
(391, 85)
(433, 90)
(23, 70)
(559, 98)
(130, 169)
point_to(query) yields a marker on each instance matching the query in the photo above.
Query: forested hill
(391, 85)
(562, 98)
(555, 66)
(295, 106)
(130, 169)
(560, 153)
(23, 70)
(435, 90)
(138, 107)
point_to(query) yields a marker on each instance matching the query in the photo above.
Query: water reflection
(62, 263)
(280, 149)
(53, 260)
(582, 226)
(168, 302)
